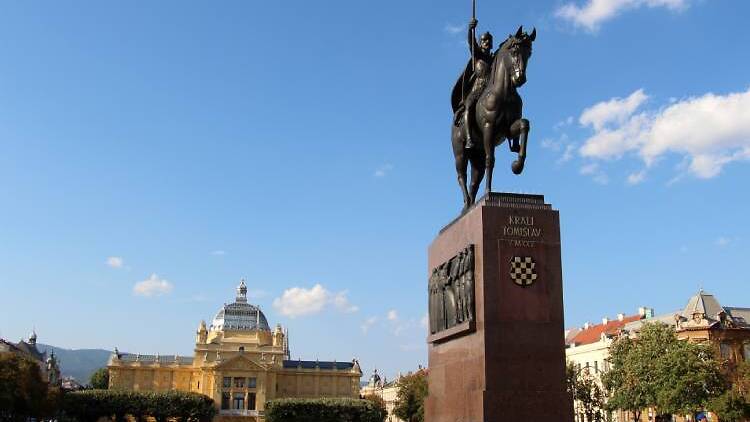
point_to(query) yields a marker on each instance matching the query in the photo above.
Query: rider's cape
(463, 86)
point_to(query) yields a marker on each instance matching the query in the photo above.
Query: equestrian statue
(487, 109)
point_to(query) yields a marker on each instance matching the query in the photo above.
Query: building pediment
(241, 363)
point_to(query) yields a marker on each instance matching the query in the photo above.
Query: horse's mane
(501, 51)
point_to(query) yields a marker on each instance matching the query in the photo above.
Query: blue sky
(153, 154)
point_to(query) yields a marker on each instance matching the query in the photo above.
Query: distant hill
(79, 364)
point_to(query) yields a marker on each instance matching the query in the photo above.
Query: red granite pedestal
(508, 364)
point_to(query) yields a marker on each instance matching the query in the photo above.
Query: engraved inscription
(521, 231)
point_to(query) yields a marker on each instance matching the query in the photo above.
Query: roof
(240, 315)
(703, 303)
(132, 357)
(312, 364)
(741, 316)
(30, 349)
(594, 333)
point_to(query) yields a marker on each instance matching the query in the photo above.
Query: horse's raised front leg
(520, 130)
(489, 157)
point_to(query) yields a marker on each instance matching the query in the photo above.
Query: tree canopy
(587, 393)
(412, 390)
(659, 371)
(100, 379)
(23, 392)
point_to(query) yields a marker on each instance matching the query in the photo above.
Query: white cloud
(383, 170)
(152, 286)
(454, 29)
(218, 252)
(341, 302)
(596, 173)
(115, 261)
(616, 110)
(594, 12)
(298, 301)
(425, 321)
(709, 131)
(368, 323)
(637, 177)
(560, 144)
(392, 315)
(723, 241)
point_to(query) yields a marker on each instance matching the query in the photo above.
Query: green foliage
(730, 407)
(412, 390)
(585, 390)
(100, 379)
(378, 401)
(657, 370)
(92, 404)
(23, 393)
(323, 410)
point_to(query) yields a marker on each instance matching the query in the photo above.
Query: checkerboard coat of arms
(523, 270)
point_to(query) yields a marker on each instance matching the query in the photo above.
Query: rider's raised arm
(473, 46)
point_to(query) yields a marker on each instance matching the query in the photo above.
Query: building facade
(702, 320)
(239, 362)
(49, 367)
(386, 390)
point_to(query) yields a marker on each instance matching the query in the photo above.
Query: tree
(412, 390)
(23, 393)
(730, 407)
(659, 371)
(100, 379)
(377, 401)
(588, 395)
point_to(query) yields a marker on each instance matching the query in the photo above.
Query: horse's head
(518, 50)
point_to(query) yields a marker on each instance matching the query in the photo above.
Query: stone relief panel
(451, 292)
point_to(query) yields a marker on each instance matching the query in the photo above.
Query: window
(596, 366)
(251, 382)
(239, 401)
(242, 348)
(239, 382)
(251, 401)
(227, 382)
(726, 350)
(225, 401)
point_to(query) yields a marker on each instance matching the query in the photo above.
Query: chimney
(645, 312)
(587, 325)
(620, 316)
(605, 320)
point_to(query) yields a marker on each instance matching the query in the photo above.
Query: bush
(323, 410)
(90, 405)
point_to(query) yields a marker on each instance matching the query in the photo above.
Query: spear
(473, 34)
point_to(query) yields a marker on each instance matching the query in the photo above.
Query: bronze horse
(498, 117)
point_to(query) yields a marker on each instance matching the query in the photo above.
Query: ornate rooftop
(240, 315)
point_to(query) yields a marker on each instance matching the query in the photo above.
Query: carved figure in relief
(448, 295)
(451, 292)
(469, 282)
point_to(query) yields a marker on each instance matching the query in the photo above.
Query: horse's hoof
(517, 166)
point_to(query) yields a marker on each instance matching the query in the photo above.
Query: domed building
(240, 362)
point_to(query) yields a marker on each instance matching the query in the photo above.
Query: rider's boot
(467, 126)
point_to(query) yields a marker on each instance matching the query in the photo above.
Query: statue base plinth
(508, 362)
